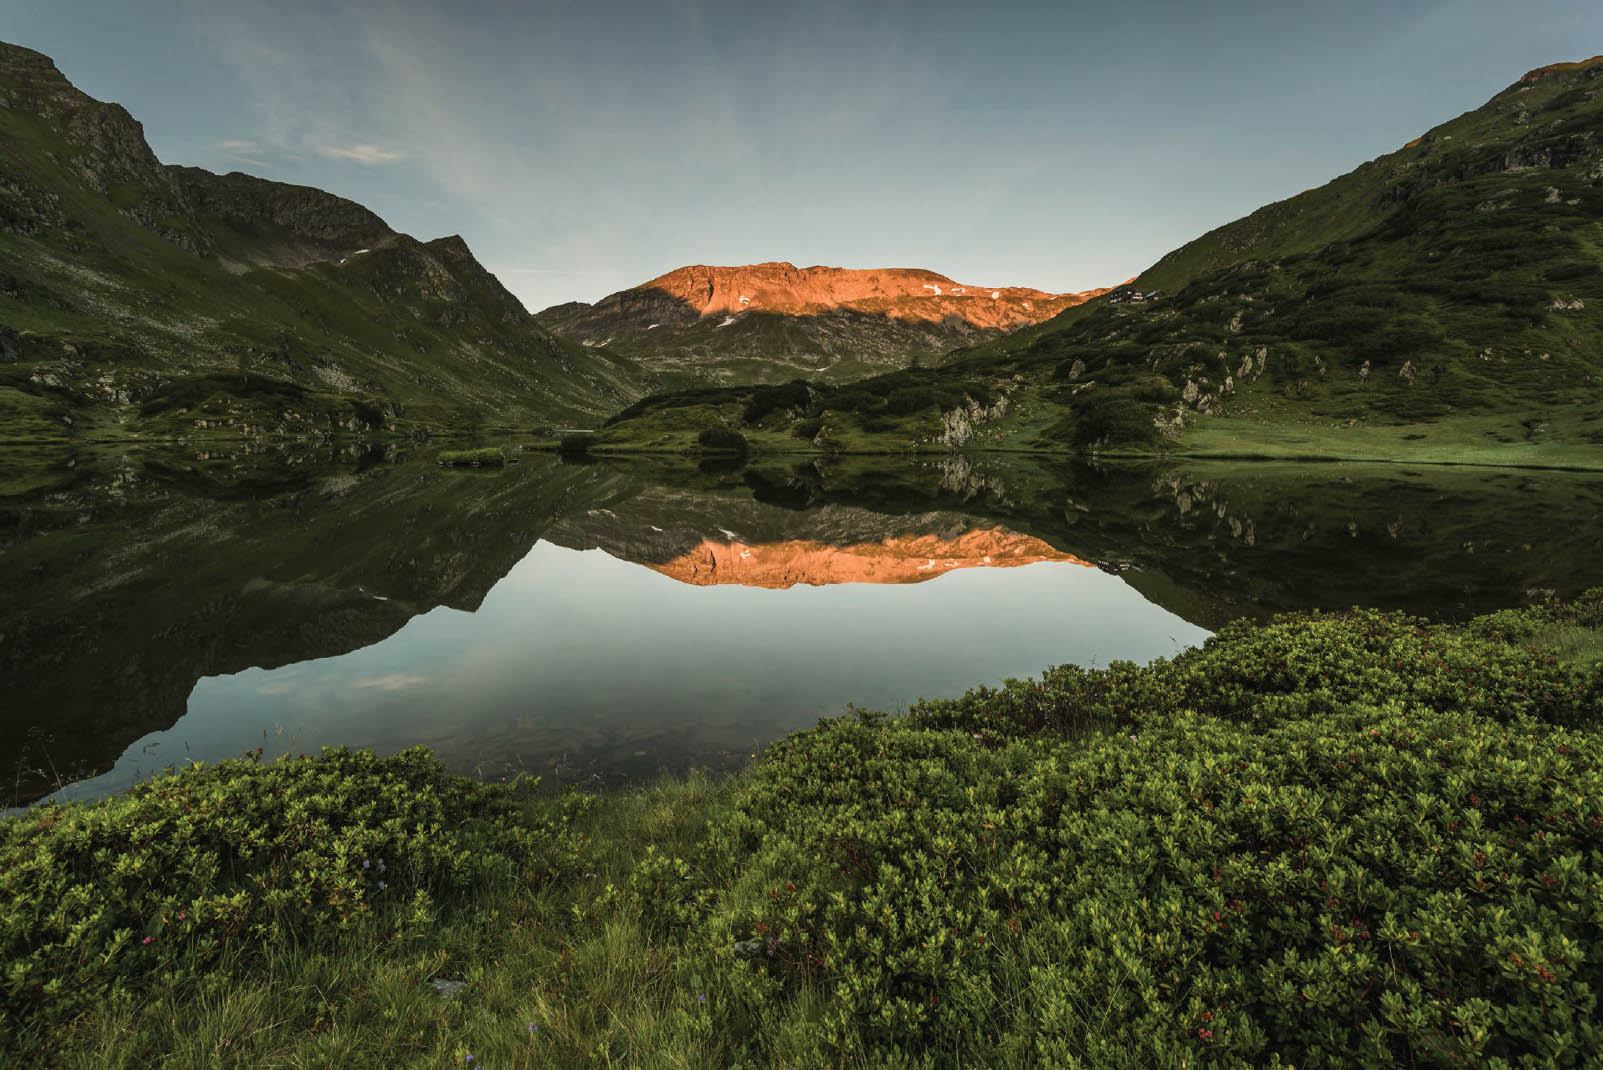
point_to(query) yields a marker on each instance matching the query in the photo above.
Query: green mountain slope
(140, 297)
(1442, 301)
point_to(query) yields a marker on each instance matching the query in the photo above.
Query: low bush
(1112, 418)
(1387, 885)
(223, 860)
(1299, 666)
(766, 399)
(577, 442)
(721, 440)
(807, 428)
(195, 390)
(1328, 841)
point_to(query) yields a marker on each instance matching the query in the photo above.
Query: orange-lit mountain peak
(902, 293)
(908, 559)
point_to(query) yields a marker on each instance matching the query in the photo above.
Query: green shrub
(223, 859)
(1110, 418)
(807, 428)
(910, 399)
(1401, 870)
(577, 442)
(1296, 666)
(766, 399)
(195, 390)
(721, 440)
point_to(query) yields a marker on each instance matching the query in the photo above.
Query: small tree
(721, 440)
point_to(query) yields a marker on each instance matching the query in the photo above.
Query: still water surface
(579, 660)
(599, 623)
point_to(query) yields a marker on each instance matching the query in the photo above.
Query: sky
(584, 146)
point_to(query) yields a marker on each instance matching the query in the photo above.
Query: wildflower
(366, 864)
(1205, 1034)
(182, 915)
(382, 886)
(147, 939)
(533, 1028)
(702, 998)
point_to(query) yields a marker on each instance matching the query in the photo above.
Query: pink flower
(148, 939)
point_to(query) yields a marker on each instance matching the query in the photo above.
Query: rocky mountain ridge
(900, 293)
(706, 323)
(137, 297)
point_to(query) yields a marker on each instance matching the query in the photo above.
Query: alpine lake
(605, 621)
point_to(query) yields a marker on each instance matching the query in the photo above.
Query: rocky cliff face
(277, 223)
(708, 324)
(104, 147)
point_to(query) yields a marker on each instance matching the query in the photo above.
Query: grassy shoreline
(1124, 866)
(1593, 461)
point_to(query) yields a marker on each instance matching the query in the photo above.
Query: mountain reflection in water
(908, 559)
(161, 608)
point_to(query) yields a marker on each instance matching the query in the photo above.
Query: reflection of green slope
(129, 585)
(1214, 541)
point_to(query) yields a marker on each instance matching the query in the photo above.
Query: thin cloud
(364, 153)
(395, 681)
(243, 151)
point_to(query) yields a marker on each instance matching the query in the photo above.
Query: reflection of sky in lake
(593, 663)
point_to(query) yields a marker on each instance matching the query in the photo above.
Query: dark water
(602, 622)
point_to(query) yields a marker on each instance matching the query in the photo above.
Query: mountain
(766, 323)
(141, 297)
(1442, 302)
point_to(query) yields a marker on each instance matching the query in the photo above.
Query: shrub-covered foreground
(1329, 840)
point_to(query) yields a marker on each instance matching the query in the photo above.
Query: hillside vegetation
(1327, 840)
(141, 298)
(1446, 297)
